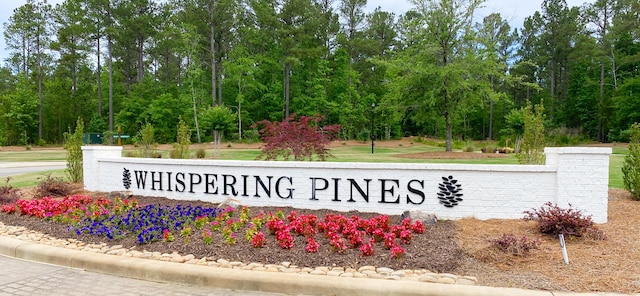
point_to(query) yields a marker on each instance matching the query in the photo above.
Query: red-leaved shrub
(509, 243)
(553, 220)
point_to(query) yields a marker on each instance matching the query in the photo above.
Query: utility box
(92, 138)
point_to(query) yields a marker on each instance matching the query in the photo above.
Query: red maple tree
(301, 137)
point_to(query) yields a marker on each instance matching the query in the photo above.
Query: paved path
(17, 168)
(22, 277)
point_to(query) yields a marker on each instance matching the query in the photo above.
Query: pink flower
(312, 245)
(397, 251)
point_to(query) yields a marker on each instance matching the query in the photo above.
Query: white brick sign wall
(576, 176)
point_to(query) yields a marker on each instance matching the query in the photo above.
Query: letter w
(141, 178)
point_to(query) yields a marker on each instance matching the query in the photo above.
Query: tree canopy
(437, 70)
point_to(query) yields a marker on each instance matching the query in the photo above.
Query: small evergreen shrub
(53, 186)
(553, 220)
(147, 142)
(73, 145)
(488, 149)
(469, 149)
(181, 149)
(511, 244)
(631, 165)
(533, 139)
(201, 153)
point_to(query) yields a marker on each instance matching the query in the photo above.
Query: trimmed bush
(53, 186)
(553, 220)
(8, 194)
(631, 165)
(511, 244)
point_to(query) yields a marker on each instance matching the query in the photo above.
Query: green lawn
(32, 179)
(35, 155)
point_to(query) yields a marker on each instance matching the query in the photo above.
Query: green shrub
(201, 153)
(73, 145)
(488, 149)
(623, 136)
(631, 165)
(458, 144)
(42, 142)
(469, 149)
(533, 141)
(181, 149)
(107, 138)
(146, 141)
(364, 135)
(251, 136)
(131, 154)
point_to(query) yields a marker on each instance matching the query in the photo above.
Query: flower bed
(122, 218)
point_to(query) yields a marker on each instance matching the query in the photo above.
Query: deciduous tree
(303, 138)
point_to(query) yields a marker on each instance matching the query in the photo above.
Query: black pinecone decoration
(449, 194)
(126, 179)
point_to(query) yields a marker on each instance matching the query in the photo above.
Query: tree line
(435, 70)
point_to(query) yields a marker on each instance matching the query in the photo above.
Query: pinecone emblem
(126, 179)
(449, 194)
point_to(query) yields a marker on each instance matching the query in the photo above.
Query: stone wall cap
(579, 150)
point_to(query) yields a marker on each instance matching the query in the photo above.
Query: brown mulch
(610, 265)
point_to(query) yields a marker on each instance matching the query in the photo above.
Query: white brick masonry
(576, 176)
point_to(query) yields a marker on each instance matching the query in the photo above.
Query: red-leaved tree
(302, 137)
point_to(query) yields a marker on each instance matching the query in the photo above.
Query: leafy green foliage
(533, 138)
(73, 145)
(148, 145)
(631, 165)
(181, 148)
(303, 138)
(441, 69)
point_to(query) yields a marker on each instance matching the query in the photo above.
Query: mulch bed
(435, 250)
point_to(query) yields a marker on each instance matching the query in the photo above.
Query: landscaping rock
(229, 202)
(424, 217)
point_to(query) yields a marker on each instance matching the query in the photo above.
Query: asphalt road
(18, 168)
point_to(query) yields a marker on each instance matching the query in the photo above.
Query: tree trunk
(99, 69)
(140, 58)
(110, 62)
(195, 110)
(287, 69)
(40, 119)
(491, 112)
(212, 40)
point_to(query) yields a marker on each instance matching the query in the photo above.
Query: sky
(514, 11)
